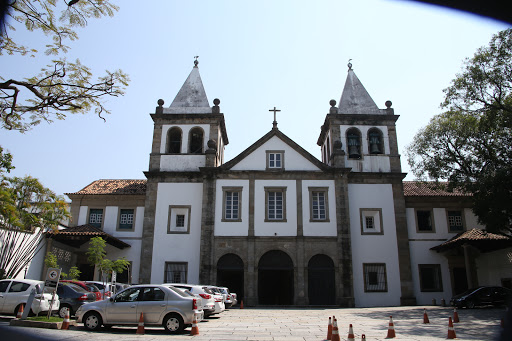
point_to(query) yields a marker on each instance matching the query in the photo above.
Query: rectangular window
(126, 219)
(232, 204)
(96, 217)
(179, 219)
(275, 202)
(430, 277)
(319, 209)
(375, 277)
(424, 221)
(455, 222)
(370, 224)
(275, 159)
(175, 272)
(371, 221)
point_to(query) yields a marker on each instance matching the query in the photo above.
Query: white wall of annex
(82, 215)
(257, 160)
(177, 247)
(374, 248)
(288, 228)
(494, 266)
(319, 228)
(132, 254)
(421, 254)
(236, 228)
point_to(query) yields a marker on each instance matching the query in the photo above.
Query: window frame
(171, 222)
(325, 191)
(175, 263)
(437, 269)
(169, 142)
(432, 222)
(380, 271)
(362, 217)
(118, 226)
(275, 189)
(463, 221)
(225, 190)
(274, 152)
(102, 216)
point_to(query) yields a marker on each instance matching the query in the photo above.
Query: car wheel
(470, 304)
(63, 309)
(92, 321)
(174, 324)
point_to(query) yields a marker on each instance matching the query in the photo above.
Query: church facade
(275, 224)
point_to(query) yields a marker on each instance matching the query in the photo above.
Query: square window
(455, 221)
(424, 221)
(371, 221)
(375, 277)
(232, 204)
(318, 204)
(275, 159)
(275, 204)
(179, 219)
(96, 217)
(430, 277)
(175, 272)
(126, 219)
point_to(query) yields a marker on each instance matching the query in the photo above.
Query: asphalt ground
(298, 324)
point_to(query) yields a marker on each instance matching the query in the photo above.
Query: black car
(482, 296)
(72, 296)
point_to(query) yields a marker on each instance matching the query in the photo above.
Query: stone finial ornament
(212, 146)
(216, 108)
(333, 109)
(349, 65)
(196, 61)
(160, 109)
(388, 104)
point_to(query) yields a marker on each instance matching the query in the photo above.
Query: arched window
(195, 141)
(354, 143)
(174, 140)
(375, 141)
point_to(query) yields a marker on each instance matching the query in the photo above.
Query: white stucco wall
(82, 215)
(177, 247)
(262, 228)
(232, 228)
(494, 266)
(179, 163)
(257, 160)
(374, 248)
(312, 228)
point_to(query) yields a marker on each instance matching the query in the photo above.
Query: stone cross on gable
(274, 124)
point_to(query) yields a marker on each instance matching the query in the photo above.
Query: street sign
(52, 278)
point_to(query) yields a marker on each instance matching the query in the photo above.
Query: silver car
(15, 292)
(160, 305)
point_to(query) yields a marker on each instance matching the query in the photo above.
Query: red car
(87, 286)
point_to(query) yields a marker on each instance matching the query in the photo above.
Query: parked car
(87, 286)
(161, 305)
(110, 289)
(220, 306)
(72, 296)
(482, 296)
(207, 300)
(228, 297)
(14, 292)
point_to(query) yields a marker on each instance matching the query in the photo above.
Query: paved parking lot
(303, 324)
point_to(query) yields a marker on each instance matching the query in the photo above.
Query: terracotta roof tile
(428, 189)
(87, 231)
(123, 186)
(481, 239)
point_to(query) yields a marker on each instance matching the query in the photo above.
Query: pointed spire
(191, 98)
(355, 99)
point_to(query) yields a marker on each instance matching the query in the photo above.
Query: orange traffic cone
(391, 329)
(335, 333)
(455, 315)
(350, 336)
(451, 331)
(195, 329)
(140, 328)
(20, 311)
(425, 316)
(363, 337)
(242, 304)
(329, 330)
(65, 323)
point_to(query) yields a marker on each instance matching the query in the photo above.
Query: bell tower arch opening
(275, 279)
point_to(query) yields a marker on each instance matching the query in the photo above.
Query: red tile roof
(429, 189)
(480, 239)
(80, 234)
(123, 186)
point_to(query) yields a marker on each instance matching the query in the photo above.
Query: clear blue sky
(254, 55)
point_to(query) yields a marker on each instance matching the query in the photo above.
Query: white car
(14, 292)
(208, 302)
(220, 305)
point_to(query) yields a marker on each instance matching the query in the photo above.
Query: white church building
(278, 226)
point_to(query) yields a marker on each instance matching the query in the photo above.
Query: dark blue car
(71, 297)
(482, 296)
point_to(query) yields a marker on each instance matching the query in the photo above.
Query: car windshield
(189, 293)
(76, 287)
(470, 291)
(100, 286)
(92, 288)
(208, 291)
(178, 291)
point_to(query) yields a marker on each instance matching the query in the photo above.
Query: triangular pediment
(254, 157)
